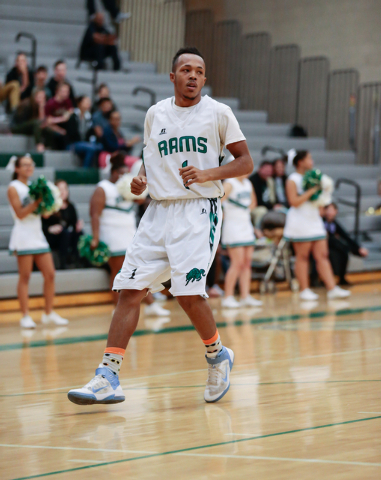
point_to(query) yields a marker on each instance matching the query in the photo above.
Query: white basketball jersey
(178, 137)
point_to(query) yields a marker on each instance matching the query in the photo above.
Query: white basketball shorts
(177, 240)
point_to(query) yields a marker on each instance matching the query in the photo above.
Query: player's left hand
(192, 175)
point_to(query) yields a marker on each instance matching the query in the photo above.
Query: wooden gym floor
(304, 403)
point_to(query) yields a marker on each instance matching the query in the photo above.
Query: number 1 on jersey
(185, 164)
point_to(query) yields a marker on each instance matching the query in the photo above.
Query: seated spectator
(112, 139)
(29, 119)
(280, 177)
(10, 92)
(263, 184)
(102, 92)
(340, 244)
(58, 111)
(83, 123)
(111, 7)
(40, 78)
(23, 75)
(98, 44)
(100, 120)
(63, 229)
(60, 72)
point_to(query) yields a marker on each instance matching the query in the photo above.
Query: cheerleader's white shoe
(229, 302)
(308, 295)
(338, 292)
(53, 317)
(27, 322)
(249, 301)
(156, 310)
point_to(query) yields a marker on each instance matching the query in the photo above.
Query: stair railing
(33, 52)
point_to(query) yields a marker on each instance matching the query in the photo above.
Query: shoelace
(97, 382)
(213, 375)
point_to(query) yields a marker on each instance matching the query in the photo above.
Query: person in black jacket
(340, 244)
(113, 139)
(23, 74)
(63, 229)
(280, 178)
(263, 184)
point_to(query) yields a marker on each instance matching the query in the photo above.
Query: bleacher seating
(58, 31)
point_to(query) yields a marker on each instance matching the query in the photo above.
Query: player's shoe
(229, 302)
(308, 295)
(249, 301)
(53, 317)
(218, 381)
(103, 388)
(156, 310)
(27, 322)
(338, 292)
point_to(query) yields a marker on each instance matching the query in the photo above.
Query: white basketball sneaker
(308, 295)
(156, 310)
(104, 388)
(249, 301)
(27, 322)
(53, 317)
(229, 302)
(219, 369)
(338, 292)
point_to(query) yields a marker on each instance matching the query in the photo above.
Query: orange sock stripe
(212, 340)
(117, 351)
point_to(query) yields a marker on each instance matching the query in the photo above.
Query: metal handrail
(33, 39)
(349, 203)
(150, 92)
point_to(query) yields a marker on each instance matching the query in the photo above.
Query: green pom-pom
(311, 179)
(39, 189)
(98, 256)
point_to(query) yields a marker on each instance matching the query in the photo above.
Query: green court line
(260, 384)
(190, 449)
(183, 328)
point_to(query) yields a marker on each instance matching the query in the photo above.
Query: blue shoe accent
(110, 376)
(223, 355)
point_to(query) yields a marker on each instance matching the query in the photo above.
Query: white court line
(203, 370)
(280, 459)
(48, 447)
(188, 454)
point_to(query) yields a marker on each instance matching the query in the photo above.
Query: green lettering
(187, 143)
(173, 145)
(163, 148)
(201, 142)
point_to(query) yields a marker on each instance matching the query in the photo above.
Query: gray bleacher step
(5, 234)
(251, 116)
(74, 15)
(61, 50)
(353, 172)
(368, 187)
(232, 102)
(8, 263)
(333, 157)
(5, 175)
(60, 160)
(367, 224)
(286, 143)
(265, 130)
(365, 202)
(67, 281)
(58, 31)
(16, 143)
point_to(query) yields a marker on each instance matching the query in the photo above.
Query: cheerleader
(238, 237)
(29, 244)
(305, 230)
(113, 221)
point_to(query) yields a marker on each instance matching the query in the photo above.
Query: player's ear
(172, 77)
(205, 79)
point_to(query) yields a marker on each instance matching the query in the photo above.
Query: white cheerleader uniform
(303, 223)
(117, 224)
(27, 237)
(237, 229)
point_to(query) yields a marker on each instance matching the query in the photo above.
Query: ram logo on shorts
(195, 275)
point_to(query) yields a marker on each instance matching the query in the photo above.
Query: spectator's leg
(87, 150)
(25, 128)
(111, 7)
(63, 248)
(112, 51)
(99, 54)
(11, 92)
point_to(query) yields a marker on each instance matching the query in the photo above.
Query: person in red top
(58, 111)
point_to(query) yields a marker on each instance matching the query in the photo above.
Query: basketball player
(178, 235)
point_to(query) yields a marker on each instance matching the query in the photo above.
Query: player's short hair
(182, 51)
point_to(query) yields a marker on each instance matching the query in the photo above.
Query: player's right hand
(138, 184)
